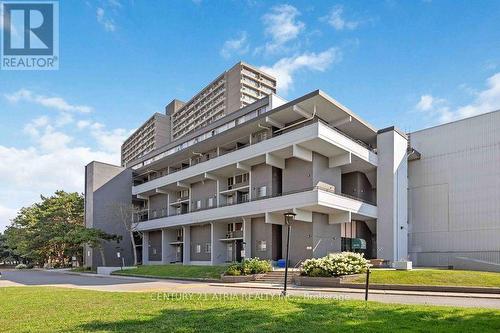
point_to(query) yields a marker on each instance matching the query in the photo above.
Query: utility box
(402, 265)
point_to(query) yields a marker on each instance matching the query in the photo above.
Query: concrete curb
(359, 291)
(152, 277)
(443, 289)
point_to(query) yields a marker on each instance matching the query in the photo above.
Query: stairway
(276, 277)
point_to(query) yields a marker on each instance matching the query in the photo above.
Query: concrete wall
(322, 173)
(261, 231)
(200, 234)
(301, 241)
(261, 176)
(326, 237)
(158, 203)
(105, 187)
(454, 192)
(392, 184)
(297, 175)
(202, 191)
(169, 251)
(356, 184)
(155, 245)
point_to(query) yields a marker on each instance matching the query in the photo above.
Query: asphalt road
(157, 287)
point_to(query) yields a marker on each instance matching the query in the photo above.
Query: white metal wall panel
(460, 164)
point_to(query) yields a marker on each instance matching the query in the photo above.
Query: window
(198, 248)
(262, 245)
(210, 202)
(244, 177)
(198, 204)
(238, 179)
(230, 182)
(208, 248)
(262, 192)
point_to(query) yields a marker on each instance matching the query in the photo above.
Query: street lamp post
(288, 220)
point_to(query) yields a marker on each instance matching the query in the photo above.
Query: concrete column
(392, 195)
(187, 245)
(145, 248)
(164, 246)
(217, 195)
(247, 237)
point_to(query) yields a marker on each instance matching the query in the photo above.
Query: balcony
(316, 136)
(320, 198)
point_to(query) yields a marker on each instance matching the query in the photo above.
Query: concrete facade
(154, 133)
(218, 192)
(107, 186)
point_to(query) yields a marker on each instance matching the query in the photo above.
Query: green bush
(21, 266)
(256, 266)
(338, 264)
(233, 270)
(249, 266)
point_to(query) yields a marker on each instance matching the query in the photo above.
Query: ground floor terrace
(230, 240)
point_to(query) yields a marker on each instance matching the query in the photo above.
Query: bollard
(367, 283)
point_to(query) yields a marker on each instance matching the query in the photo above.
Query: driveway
(130, 284)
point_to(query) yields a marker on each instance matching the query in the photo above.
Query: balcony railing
(320, 186)
(236, 147)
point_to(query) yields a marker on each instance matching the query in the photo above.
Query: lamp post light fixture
(289, 217)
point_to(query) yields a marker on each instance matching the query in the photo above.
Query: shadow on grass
(298, 315)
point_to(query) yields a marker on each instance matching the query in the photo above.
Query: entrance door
(239, 247)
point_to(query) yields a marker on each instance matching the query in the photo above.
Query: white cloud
(236, 46)
(439, 109)
(54, 159)
(108, 140)
(82, 124)
(285, 69)
(282, 26)
(57, 103)
(335, 19)
(435, 107)
(107, 22)
(6, 214)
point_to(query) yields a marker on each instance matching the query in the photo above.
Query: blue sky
(411, 64)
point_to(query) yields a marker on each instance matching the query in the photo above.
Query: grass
(35, 309)
(175, 271)
(433, 277)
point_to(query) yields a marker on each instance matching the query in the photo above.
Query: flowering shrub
(338, 264)
(21, 266)
(249, 266)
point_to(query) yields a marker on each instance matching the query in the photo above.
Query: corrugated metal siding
(454, 192)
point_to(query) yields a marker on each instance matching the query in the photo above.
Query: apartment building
(218, 194)
(154, 133)
(230, 91)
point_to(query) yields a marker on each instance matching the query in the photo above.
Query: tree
(127, 214)
(39, 233)
(94, 238)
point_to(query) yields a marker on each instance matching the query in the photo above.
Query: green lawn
(175, 271)
(434, 277)
(34, 309)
